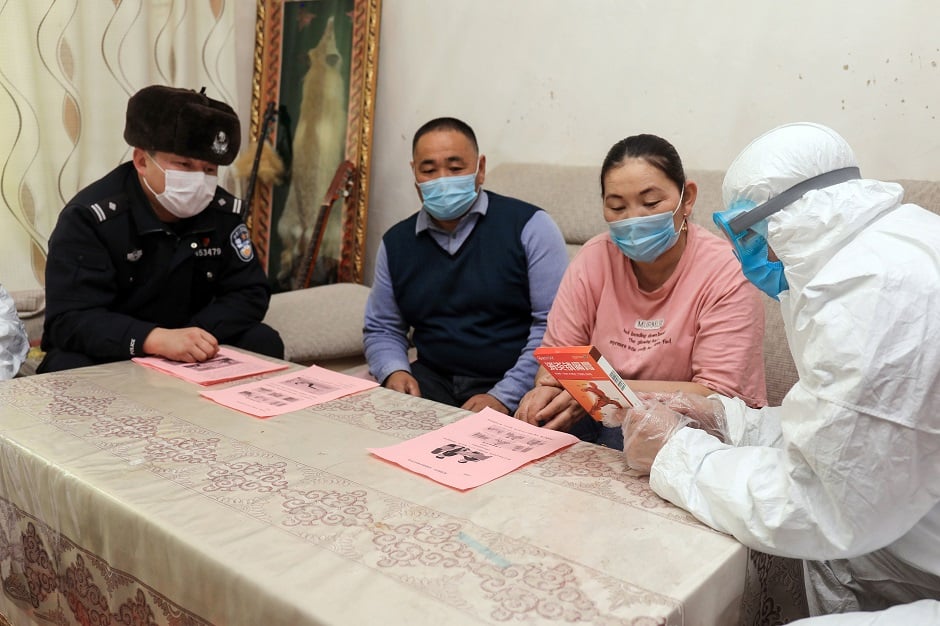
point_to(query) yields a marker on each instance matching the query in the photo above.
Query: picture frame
(313, 103)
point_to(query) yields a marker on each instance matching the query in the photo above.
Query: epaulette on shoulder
(226, 202)
(103, 210)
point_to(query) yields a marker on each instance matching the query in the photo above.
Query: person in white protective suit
(13, 342)
(845, 474)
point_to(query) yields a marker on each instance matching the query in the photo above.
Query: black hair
(654, 150)
(445, 123)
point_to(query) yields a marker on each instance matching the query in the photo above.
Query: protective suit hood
(808, 232)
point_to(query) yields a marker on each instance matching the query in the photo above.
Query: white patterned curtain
(67, 68)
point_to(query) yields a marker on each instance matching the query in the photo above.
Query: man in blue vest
(471, 276)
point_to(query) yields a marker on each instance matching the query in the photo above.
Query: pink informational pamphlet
(288, 392)
(227, 365)
(476, 449)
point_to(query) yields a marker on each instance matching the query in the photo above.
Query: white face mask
(185, 194)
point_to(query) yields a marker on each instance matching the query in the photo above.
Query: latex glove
(705, 412)
(708, 413)
(647, 429)
(613, 419)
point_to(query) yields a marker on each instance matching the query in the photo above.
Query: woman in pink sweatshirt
(662, 299)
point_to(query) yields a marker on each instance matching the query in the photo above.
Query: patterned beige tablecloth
(125, 498)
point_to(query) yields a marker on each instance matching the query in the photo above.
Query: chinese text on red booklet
(589, 378)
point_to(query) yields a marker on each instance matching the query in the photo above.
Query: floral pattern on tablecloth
(593, 469)
(488, 576)
(55, 581)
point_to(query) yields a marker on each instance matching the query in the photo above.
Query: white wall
(562, 80)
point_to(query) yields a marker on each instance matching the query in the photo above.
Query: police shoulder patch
(107, 208)
(241, 241)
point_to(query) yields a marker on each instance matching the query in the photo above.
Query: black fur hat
(183, 122)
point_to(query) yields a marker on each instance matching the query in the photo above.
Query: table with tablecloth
(127, 498)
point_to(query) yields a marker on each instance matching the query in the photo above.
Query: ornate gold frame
(266, 88)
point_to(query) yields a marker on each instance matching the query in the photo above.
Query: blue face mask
(750, 246)
(646, 238)
(449, 197)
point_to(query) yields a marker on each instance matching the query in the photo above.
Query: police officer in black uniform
(154, 259)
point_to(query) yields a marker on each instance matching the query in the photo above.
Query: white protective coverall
(13, 342)
(849, 465)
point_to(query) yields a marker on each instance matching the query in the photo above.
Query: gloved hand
(647, 429)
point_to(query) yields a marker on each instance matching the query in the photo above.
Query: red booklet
(589, 378)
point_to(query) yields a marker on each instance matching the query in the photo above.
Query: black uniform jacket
(115, 271)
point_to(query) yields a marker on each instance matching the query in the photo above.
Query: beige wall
(561, 80)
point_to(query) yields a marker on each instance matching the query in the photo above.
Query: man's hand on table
(403, 382)
(483, 400)
(186, 345)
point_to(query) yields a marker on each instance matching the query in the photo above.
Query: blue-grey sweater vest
(470, 312)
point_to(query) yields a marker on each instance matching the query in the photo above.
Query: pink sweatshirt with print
(704, 325)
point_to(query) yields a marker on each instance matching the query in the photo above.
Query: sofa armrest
(320, 324)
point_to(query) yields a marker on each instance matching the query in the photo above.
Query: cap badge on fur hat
(220, 145)
(183, 122)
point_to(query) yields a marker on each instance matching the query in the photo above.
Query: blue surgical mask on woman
(647, 237)
(449, 197)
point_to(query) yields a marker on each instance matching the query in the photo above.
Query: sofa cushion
(925, 193)
(779, 368)
(320, 324)
(570, 194)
